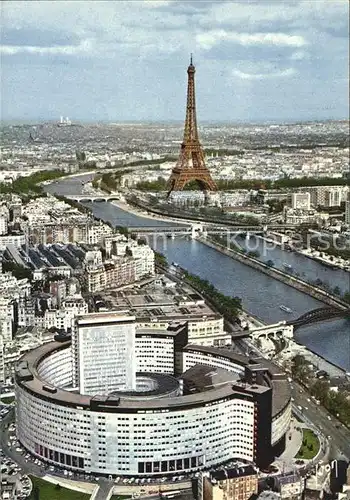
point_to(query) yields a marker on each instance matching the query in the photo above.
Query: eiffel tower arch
(191, 163)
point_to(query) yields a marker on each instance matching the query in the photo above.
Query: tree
(128, 252)
(255, 254)
(300, 369)
(320, 390)
(270, 263)
(160, 259)
(122, 230)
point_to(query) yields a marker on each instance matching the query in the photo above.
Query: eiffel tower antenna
(191, 163)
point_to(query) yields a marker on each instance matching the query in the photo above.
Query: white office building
(154, 351)
(208, 331)
(219, 407)
(17, 240)
(144, 261)
(3, 224)
(301, 201)
(6, 319)
(103, 353)
(2, 361)
(347, 212)
(333, 197)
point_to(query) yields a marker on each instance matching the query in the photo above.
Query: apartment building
(63, 318)
(238, 483)
(6, 318)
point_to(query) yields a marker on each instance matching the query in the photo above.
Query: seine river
(260, 294)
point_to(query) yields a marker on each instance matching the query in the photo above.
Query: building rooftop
(240, 471)
(27, 376)
(202, 378)
(106, 317)
(160, 303)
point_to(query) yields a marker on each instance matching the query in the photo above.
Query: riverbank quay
(231, 325)
(302, 286)
(284, 242)
(123, 205)
(295, 347)
(248, 322)
(191, 218)
(69, 176)
(240, 334)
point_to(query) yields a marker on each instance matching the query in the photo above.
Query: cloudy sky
(256, 60)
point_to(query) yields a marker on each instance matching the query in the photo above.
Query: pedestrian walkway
(294, 439)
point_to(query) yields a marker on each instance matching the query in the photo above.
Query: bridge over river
(286, 329)
(319, 314)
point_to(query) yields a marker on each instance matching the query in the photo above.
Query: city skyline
(126, 61)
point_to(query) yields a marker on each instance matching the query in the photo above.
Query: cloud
(36, 36)
(263, 76)
(299, 55)
(209, 39)
(135, 52)
(69, 50)
(157, 3)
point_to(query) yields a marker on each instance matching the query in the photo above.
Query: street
(338, 434)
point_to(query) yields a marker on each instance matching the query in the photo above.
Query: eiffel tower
(191, 163)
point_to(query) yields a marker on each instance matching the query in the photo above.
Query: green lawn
(310, 446)
(49, 491)
(7, 400)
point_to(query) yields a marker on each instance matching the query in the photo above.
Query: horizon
(43, 121)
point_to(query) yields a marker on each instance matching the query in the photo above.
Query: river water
(261, 295)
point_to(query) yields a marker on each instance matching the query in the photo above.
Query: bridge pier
(274, 331)
(196, 230)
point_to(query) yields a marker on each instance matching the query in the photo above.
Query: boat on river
(286, 309)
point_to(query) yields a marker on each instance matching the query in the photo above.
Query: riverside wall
(302, 286)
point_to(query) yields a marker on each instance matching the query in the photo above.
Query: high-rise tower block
(191, 163)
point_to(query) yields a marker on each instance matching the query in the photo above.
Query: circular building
(215, 407)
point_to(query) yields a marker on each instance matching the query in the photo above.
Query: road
(28, 467)
(104, 489)
(338, 435)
